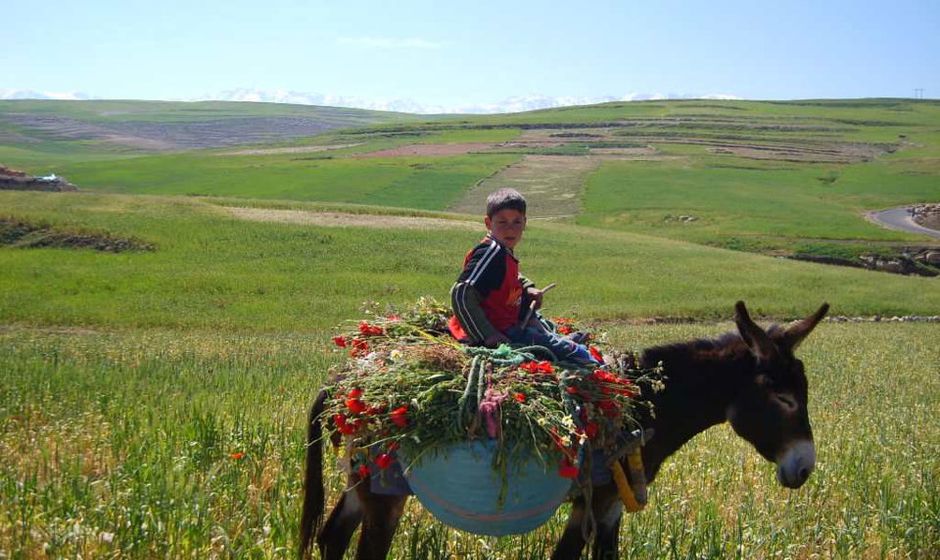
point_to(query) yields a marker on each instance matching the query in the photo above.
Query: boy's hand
(535, 295)
(495, 340)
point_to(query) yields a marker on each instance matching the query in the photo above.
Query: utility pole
(918, 93)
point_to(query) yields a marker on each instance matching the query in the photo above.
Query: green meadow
(778, 178)
(168, 443)
(153, 401)
(403, 182)
(736, 205)
(212, 270)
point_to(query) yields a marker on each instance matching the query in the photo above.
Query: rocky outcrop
(25, 234)
(883, 319)
(927, 215)
(13, 180)
(913, 260)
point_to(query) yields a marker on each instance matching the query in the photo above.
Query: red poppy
(354, 393)
(627, 389)
(596, 354)
(520, 397)
(370, 330)
(383, 461)
(399, 416)
(237, 455)
(537, 367)
(609, 408)
(356, 406)
(567, 470)
(343, 426)
(564, 325)
(340, 341)
(363, 471)
(590, 430)
(360, 347)
(571, 390)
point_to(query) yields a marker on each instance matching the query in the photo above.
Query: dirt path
(428, 150)
(900, 219)
(289, 150)
(341, 219)
(552, 185)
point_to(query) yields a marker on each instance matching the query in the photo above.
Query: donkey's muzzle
(796, 463)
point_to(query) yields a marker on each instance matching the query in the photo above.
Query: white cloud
(514, 104)
(724, 96)
(32, 94)
(388, 42)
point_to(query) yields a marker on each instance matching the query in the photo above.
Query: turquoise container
(461, 489)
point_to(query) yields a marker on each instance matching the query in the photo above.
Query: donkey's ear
(756, 339)
(799, 330)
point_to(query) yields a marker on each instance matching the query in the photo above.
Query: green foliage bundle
(407, 385)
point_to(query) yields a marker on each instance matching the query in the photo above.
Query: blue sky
(461, 54)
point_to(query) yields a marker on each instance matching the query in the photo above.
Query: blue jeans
(565, 349)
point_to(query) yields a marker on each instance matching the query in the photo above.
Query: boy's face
(506, 226)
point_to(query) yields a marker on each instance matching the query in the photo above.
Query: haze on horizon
(424, 57)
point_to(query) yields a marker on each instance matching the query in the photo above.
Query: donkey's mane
(724, 345)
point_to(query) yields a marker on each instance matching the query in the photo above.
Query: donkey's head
(771, 409)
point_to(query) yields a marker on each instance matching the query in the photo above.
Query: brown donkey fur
(750, 378)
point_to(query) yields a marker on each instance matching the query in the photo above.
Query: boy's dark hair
(504, 199)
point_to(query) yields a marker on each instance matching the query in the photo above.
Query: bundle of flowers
(408, 386)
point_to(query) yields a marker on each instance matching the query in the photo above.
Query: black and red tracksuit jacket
(487, 296)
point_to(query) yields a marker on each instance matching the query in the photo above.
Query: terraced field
(163, 329)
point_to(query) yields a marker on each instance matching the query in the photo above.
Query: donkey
(749, 378)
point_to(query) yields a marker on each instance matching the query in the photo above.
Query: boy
(491, 298)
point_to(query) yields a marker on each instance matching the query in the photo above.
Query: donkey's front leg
(607, 511)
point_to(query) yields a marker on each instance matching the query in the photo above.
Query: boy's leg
(565, 349)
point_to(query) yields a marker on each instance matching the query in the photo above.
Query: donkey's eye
(785, 400)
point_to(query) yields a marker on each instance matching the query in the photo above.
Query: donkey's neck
(701, 381)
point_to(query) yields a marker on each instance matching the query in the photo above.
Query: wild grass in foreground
(184, 444)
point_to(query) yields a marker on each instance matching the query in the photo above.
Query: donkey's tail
(313, 477)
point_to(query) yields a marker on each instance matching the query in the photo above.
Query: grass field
(768, 177)
(127, 443)
(774, 206)
(403, 182)
(153, 401)
(210, 270)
